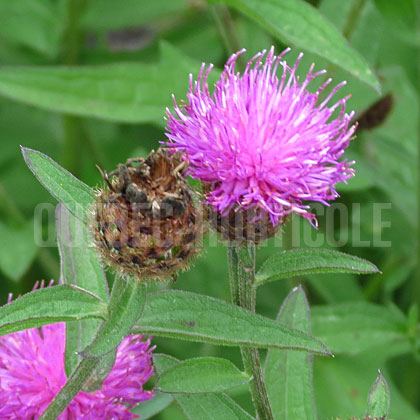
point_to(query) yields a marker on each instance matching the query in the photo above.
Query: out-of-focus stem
(72, 35)
(70, 51)
(241, 260)
(416, 276)
(227, 31)
(353, 17)
(350, 24)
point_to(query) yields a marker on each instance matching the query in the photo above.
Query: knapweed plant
(262, 146)
(184, 278)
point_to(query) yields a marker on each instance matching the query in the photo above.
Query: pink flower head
(263, 141)
(32, 373)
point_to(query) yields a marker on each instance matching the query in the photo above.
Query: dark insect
(376, 114)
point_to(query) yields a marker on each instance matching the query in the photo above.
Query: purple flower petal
(263, 141)
(32, 373)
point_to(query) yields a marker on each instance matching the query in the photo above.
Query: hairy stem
(125, 291)
(77, 379)
(241, 261)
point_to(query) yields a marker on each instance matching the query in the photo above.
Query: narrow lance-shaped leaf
(80, 266)
(50, 305)
(126, 92)
(32, 23)
(300, 24)
(354, 327)
(379, 398)
(288, 374)
(62, 185)
(200, 375)
(102, 15)
(201, 318)
(125, 307)
(212, 406)
(310, 261)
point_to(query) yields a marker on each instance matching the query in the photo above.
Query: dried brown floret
(146, 221)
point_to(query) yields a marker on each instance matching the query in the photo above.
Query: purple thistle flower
(263, 141)
(32, 373)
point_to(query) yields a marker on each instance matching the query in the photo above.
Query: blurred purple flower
(32, 373)
(263, 141)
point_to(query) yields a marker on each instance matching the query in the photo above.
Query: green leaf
(355, 327)
(129, 92)
(125, 307)
(342, 384)
(18, 249)
(298, 262)
(200, 375)
(379, 398)
(288, 375)
(31, 23)
(336, 288)
(203, 406)
(80, 266)
(154, 406)
(103, 15)
(48, 306)
(62, 185)
(402, 17)
(201, 318)
(301, 25)
(387, 151)
(80, 263)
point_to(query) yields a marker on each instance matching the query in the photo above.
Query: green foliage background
(87, 82)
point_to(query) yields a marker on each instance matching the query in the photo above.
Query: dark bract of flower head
(262, 140)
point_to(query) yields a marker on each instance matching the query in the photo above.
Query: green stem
(74, 142)
(353, 17)
(80, 375)
(72, 35)
(74, 136)
(349, 26)
(416, 276)
(241, 260)
(225, 25)
(124, 308)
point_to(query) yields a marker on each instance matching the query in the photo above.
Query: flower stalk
(241, 261)
(78, 378)
(92, 357)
